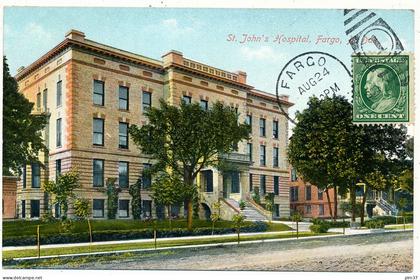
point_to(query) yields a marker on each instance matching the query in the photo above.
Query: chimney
(75, 35)
(241, 77)
(172, 57)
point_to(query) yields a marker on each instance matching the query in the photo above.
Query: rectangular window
(262, 127)
(204, 104)
(248, 120)
(250, 182)
(98, 208)
(59, 93)
(123, 98)
(123, 135)
(57, 210)
(58, 133)
(293, 176)
(262, 184)
(98, 131)
(235, 182)
(276, 185)
(321, 210)
(187, 99)
(147, 208)
(262, 155)
(98, 173)
(320, 194)
(147, 178)
(35, 208)
(45, 99)
(294, 193)
(57, 168)
(36, 175)
(249, 150)
(24, 177)
(147, 100)
(123, 208)
(23, 203)
(208, 180)
(98, 92)
(123, 174)
(308, 194)
(308, 209)
(276, 210)
(275, 129)
(276, 157)
(38, 101)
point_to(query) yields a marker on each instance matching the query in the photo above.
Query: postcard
(208, 139)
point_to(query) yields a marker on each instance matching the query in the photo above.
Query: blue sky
(201, 34)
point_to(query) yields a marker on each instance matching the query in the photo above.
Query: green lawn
(145, 245)
(407, 226)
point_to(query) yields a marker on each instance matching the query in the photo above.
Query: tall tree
(328, 150)
(186, 138)
(22, 138)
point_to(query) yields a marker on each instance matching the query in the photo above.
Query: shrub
(331, 224)
(374, 223)
(319, 228)
(242, 205)
(108, 235)
(393, 220)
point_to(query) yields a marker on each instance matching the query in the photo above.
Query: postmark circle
(380, 88)
(309, 74)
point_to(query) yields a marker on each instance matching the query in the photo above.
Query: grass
(146, 245)
(407, 226)
(278, 227)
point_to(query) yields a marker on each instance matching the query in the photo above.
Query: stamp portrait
(381, 88)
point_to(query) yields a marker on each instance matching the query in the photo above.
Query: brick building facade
(93, 92)
(308, 199)
(9, 197)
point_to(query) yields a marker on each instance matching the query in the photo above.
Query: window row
(99, 132)
(59, 97)
(123, 96)
(308, 209)
(263, 156)
(123, 174)
(262, 126)
(263, 185)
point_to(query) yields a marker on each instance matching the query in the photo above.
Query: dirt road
(392, 252)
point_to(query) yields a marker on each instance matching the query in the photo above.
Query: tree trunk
(362, 211)
(190, 214)
(335, 203)
(329, 202)
(353, 203)
(170, 217)
(189, 181)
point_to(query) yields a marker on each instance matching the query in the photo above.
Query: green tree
(185, 139)
(82, 211)
(22, 130)
(62, 190)
(168, 190)
(238, 221)
(215, 216)
(112, 191)
(269, 204)
(135, 191)
(328, 150)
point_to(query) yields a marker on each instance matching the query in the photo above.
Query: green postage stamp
(382, 91)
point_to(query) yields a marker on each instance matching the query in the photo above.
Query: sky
(203, 35)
